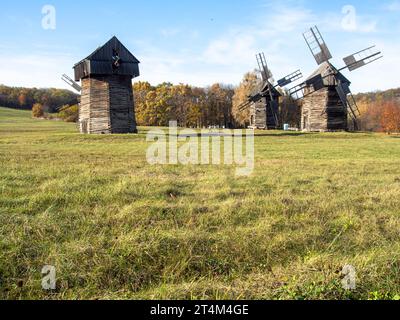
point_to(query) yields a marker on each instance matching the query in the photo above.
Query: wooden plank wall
(323, 111)
(84, 106)
(123, 119)
(107, 105)
(263, 115)
(259, 115)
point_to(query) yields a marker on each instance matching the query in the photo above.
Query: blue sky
(197, 42)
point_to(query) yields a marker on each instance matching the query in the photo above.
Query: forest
(380, 111)
(25, 98)
(196, 107)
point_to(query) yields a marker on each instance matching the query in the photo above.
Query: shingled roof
(326, 70)
(100, 62)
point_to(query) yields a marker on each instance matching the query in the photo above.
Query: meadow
(116, 227)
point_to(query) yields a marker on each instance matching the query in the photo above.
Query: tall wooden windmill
(328, 103)
(264, 102)
(107, 104)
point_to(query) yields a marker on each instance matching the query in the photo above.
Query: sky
(198, 42)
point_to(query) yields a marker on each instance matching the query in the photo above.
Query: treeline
(25, 98)
(191, 107)
(379, 96)
(217, 105)
(380, 111)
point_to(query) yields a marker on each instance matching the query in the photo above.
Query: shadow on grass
(283, 134)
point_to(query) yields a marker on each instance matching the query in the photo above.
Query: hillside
(116, 227)
(388, 95)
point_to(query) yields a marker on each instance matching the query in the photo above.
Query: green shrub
(69, 113)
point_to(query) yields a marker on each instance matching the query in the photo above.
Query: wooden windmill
(107, 104)
(328, 103)
(264, 103)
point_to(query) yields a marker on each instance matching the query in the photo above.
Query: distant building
(107, 104)
(264, 112)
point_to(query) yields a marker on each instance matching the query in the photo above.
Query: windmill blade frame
(273, 106)
(244, 106)
(266, 73)
(250, 99)
(71, 82)
(289, 79)
(317, 45)
(361, 58)
(312, 85)
(344, 92)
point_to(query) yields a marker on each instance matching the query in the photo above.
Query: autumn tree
(37, 110)
(141, 90)
(219, 105)
(390, 117)
(247, 87)
(22, 99)
(197, 114)
(189, 106)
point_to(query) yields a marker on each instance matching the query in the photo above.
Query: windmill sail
(317, 45)
(336, 87)
(362, 58)
(71, 83)
(307, 87)
(266, 74)
(290, 78)
(343, 92)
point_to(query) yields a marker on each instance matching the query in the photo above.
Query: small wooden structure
(323, 109)
(264, 102)
(107, 104)
(264, 112)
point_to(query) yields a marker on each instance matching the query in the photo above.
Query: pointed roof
(327, 70)
(114, 43)
(100, 61)
(268, 85)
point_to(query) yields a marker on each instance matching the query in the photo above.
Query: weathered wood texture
(323, 111)
(100, 62)
(107, 105)
(258, 115)
(262, 114)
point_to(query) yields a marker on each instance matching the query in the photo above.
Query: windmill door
(84, 126)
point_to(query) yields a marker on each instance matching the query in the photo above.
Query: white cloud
(230, 50)
(35, 69)
(233, 52)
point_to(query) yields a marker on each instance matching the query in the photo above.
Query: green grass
(117, 228)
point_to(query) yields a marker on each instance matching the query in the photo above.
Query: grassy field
(117, 228)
